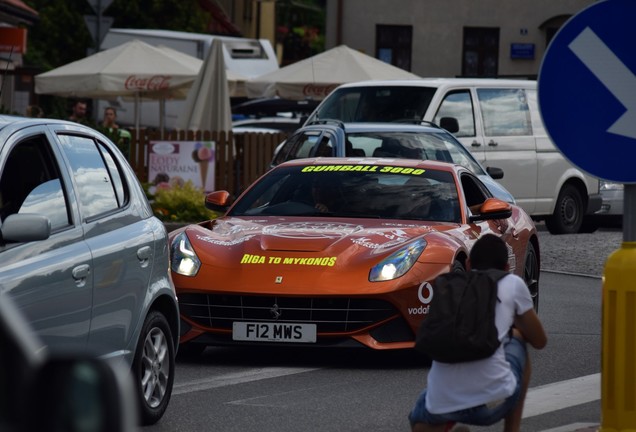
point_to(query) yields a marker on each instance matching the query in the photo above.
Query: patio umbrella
(207, 106)
(315, 77)
(134, 69)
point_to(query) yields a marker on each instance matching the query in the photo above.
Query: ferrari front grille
(330, 314)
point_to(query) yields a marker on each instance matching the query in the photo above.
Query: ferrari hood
(236, 238)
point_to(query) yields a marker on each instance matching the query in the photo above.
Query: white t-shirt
(457, 386)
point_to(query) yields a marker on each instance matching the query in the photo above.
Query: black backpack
(460, 325)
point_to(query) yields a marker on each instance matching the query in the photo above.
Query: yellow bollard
(618, 356)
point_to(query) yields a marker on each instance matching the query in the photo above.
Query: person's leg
(512, 421)
(422, 420)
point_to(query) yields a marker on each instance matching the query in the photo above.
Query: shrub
(178, 202)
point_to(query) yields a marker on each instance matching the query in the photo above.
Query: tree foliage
(61, 36)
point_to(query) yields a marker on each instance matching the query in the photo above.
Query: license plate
(274, 332)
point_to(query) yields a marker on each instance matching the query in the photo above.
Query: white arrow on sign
(613, 73)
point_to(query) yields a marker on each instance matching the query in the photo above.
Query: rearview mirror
(25, 227)
(218, 201)
(493, 208)
(450, 124)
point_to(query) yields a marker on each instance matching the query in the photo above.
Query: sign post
(587, 98)
(98, 25)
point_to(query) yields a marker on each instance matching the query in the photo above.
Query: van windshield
(375, 104)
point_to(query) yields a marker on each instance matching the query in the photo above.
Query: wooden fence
(240, 158)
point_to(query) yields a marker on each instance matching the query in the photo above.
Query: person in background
(110, 119)
(78, 112)
(34, 111)
(111, 129)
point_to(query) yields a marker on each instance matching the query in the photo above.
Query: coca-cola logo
(153, 83)
(316, 90)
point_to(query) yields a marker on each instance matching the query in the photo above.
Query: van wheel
(531, 274)
(153, 368)
(568, 212)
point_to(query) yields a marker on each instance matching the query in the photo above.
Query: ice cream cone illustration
(203, 171)
(202, 155)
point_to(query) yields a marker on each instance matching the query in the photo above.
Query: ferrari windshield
(361, 191)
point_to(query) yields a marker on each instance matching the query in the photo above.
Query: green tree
(61, 36)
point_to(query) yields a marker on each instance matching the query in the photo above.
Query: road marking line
(563, 394)
(236, 378)
(573, 427)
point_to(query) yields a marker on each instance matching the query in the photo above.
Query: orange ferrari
(337, 251)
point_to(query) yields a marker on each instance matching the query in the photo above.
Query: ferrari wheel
(153, 368)
(531, 275)
(458, 267)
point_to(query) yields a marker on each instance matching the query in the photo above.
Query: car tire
(458, 267)
(531, 274)
(153, 368)
(568, 212)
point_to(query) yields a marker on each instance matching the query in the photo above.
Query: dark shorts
(482, 415)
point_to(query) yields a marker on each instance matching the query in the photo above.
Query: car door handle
(492, 143)
(475, 143)
(80, 273)
(144, 255)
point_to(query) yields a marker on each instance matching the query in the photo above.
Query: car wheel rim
(155, 367)
(570, 211)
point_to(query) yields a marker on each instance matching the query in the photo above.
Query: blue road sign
(587, 90)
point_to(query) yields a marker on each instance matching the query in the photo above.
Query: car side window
(474, 193)
(297, 146)
(325, 147)
(116, 176)
(97, 186)
(505, 112)
(30, 183)
(458, 104)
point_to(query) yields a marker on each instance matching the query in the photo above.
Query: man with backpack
(485, 391)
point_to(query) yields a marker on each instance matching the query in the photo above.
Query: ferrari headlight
(398, 263)
(183, 259)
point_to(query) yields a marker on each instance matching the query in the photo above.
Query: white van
(244, 57)
(498, 120)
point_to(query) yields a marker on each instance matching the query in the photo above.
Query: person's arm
(531, 328)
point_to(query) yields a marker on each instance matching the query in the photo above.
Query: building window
(481, 52)
(394, 44)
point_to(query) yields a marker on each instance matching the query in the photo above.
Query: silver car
(418, 140)
(82, 255)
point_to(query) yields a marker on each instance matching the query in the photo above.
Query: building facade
(447, 38)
